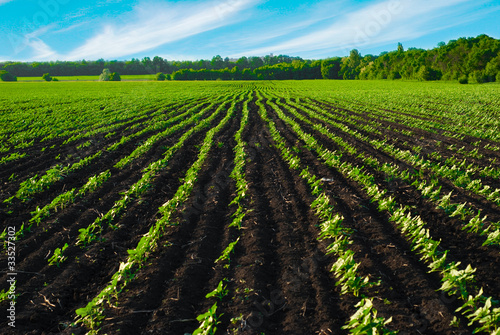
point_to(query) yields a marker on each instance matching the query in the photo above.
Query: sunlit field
(291, 207)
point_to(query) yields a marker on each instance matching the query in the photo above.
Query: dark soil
(279, 278)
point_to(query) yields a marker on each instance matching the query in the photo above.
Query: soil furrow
(442, 227)
(81, 277)
(173, 284)
(408, 292)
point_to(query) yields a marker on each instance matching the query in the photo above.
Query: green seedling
(365, 321)
(220, 292)
(226, 254)
(57, 258)
(209, 322)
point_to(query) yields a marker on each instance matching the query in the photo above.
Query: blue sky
(41, 30)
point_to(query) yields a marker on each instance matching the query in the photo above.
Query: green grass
(61, 78)
(139, 77)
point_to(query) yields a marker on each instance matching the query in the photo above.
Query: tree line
(136, 66)
(474, 59)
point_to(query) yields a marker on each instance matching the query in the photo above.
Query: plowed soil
(279, 281)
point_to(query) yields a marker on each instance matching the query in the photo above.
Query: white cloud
(150, 26)
(42, 51)
(4, 1)
(30, 41)
(40, 31)
(375, 24)
(72, 27)
(322, 29)
(304, 18)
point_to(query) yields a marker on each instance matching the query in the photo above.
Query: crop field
(89, 78)
(294, 207)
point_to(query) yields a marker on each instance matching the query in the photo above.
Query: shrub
(160, 76)
(115, 77)
(463, 79)
(394, 75)
(105, 75)
(498, 77)
(426, 73)
(6, 76)
(55, 79)
(46, 77)
(477, 77)
(492, 69)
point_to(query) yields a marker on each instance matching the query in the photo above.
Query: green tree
(394, 75)
(255, 62)
(160, 76)
(46, 77)
(217, 62)
(400, 48)
(147, 63)
(105, 75)
(492, 69)
(236, 73)
(477, 77)
(350, 65)
(426, 73)
(463, 79)
(159, 64)
(242, 62)
(115, 77)
(330, 68)
(247, 74)
(6, 76)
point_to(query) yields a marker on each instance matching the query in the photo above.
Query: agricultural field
(293, 207)
(134, 77)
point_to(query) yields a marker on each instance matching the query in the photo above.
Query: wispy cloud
(40, 31)
(72, 27)
(150, 26)
(375, 24)
(41, 50)
(113, 29)
(29, 40)
(305, 18)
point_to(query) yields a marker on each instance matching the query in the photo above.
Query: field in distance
(138, 77)
(291, 207)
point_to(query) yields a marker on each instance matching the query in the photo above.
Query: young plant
(365, 321)
(57, 258)
(220, 292)
(226, 254)
(209, 322)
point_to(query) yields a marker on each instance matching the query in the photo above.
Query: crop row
(94, 182)
(477, 307)
(448, 110)
(35, 185)
(209, 319)
(462, 164)
(92, 315)
(476, 222)
(365, 319)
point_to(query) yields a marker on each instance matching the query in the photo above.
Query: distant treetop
(474, 58)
